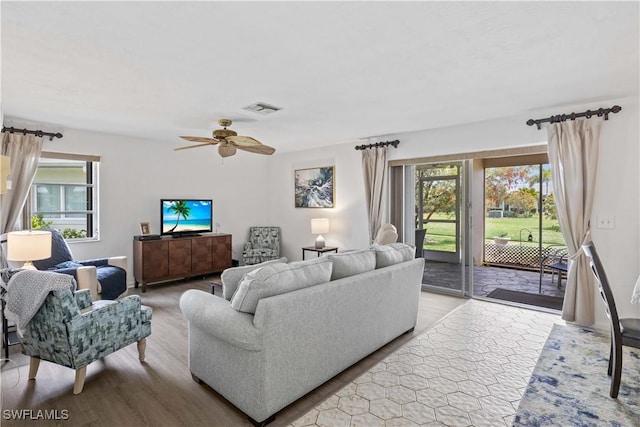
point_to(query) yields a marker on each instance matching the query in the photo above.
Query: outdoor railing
(515, 255)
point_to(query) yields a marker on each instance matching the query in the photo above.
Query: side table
(318, 251)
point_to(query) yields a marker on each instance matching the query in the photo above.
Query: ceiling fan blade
(200, 139)
(193, 146)
(244, 141)
(258, 149)
(226, 150)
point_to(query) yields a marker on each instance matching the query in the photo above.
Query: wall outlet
(605, 221)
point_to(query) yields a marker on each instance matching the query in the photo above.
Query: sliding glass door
(435, 207)
(470, 235)
(522, 239)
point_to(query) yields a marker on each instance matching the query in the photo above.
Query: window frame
(91, 214)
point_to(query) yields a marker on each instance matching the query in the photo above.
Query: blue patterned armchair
(263, 245)
(70, 330)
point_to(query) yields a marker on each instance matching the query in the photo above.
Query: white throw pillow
(351, 263)
(278, 279)
(231, 276)
(393, 253)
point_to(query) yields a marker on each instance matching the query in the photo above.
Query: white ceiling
(340, 70)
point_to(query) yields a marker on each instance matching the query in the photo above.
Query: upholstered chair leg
(142, 345)
(79, 384)
(34, 364)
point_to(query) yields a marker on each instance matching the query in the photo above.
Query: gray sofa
(288, 328)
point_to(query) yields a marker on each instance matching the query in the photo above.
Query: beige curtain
(24, 152)
(375, 171)
(573, 156)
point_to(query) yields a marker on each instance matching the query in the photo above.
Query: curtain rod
(39, 133)
(588, 114)
(378, 144)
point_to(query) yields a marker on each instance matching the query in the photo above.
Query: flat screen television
(180, 217)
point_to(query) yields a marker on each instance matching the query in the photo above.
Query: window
(64, 195)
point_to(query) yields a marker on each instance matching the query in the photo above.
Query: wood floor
(120, 391)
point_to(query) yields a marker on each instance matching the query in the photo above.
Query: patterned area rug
(469, 369)
(570, 387)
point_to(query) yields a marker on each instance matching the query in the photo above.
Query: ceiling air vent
(262, 108)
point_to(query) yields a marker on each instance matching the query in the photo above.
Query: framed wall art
(315, 187)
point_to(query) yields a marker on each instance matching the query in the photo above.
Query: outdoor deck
(486, 279)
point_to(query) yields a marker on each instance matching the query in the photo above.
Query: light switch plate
(605, 221)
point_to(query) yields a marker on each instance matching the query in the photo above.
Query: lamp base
(320, 242)
(28, 265)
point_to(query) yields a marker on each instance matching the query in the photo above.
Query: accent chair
(70, 330)
(263, 245)
(104, 276)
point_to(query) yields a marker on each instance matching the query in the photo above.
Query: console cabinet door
(221, 252)
(201, 256)
(155, 260)
(179, 257)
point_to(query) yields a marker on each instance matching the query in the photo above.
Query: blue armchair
(263, 245)
(69, 330)
(104, 276)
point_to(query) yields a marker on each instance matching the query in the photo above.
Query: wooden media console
(172, 258)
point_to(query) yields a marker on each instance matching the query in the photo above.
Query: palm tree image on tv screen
(186, 216)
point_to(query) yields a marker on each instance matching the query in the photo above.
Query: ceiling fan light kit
(229, 141)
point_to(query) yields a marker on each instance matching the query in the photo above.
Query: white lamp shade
(320, 226)
(28, 245)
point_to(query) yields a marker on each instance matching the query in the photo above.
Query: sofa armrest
(87, 278)
(215, 316)
(118, 261)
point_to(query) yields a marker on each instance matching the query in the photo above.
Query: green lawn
(441, 236)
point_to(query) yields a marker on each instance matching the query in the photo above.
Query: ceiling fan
(229, 141)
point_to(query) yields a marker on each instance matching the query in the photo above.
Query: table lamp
(27, 246)
(320, 226)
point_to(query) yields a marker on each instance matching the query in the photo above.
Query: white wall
(135, 174)
(617, 196)
(347, 221)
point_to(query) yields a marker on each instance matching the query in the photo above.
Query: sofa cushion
(393, 253)
(113, 281)
(276, 279)
(231, 276)
(351, 263)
